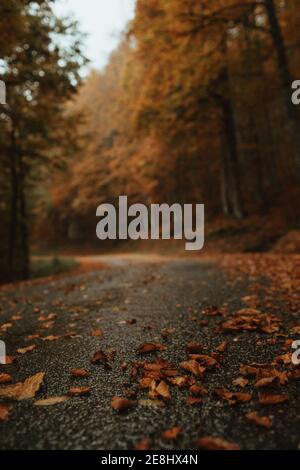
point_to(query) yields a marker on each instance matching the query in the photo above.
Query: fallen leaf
(6, 326)
(120, 403)
(150, 347)
(4, 412)
(99, 356)
(172, 434)
(233, 398)
(47, 325)
(5, 378)
(248, 371)
(222, 347)
(97, 333)
(194, 347)
(198, 390)
(208, 361)
(31, 386)
(272, 399)
(32, 337)
(50, 338)
(216, 443)
(79, 373)
(79, 391)
(163, 390)
(263, 421)
(27, 349)
(51, 401)
(142, 445)
(193, 367)
(25, 390)
(266, 382)
(240, 382)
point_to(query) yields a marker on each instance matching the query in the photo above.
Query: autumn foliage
(194, 106)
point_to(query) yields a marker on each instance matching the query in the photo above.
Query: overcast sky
(102, 20)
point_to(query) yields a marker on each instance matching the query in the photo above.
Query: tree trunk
(23, 223)
(232, 152)
(285, 76)
(13, 207)
(225, 185)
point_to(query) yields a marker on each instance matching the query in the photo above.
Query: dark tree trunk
(232, 153)
(285, 76)
(23, 223)
(225, 184)
(230, 179)
(13, 207)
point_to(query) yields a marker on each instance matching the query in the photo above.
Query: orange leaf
(172, 433)
(216, 443)
(119, 403)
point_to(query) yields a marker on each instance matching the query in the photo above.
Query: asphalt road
(163, 297)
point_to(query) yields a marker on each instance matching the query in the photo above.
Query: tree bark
(25, 268)
(232, 152)
(13, 206)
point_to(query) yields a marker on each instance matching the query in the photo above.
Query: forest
(194, 106)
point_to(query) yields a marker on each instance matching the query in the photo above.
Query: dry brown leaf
(27, 349)
(97, 333)
(50, 317)
(263, 421)
(99, 356)
(193, 367)
(172, 434)
(120, 403)
(204, 359)
(222, 347)
(198, 390)
(5, 378)
(50, 338)
(216, 443)
(51, 401)
(240, 382)
(4, 412)
(248, 371)
(233, 398)
(31, 386)
(151, 347)
(296, 330)
(163, 390)
(284, 359)
(194, 347)
(10, 360)
(267, 382)
(79, 391)
(272, 399)
(142, 445)
(79, 373)
(6, 326)
(169, 372)
(145, 382)
(32, 337)
(179, 381)
(48, 325)
(25, 390)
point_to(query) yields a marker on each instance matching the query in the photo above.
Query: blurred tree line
(40, 61)
(194, 106)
